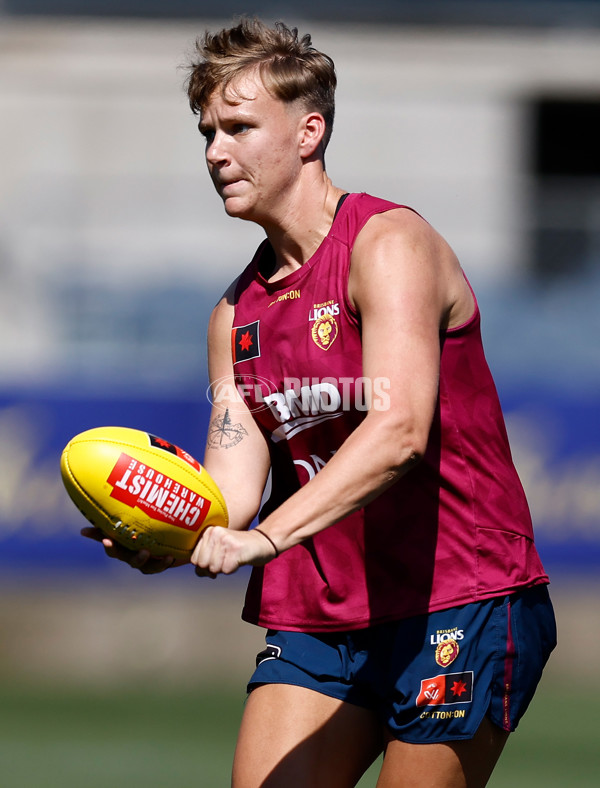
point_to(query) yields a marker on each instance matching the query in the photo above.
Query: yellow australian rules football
(141, 490)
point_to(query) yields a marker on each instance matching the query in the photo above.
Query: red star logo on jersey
(246, 341)
(458, 688)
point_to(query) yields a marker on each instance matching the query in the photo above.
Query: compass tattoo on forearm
(223, 434)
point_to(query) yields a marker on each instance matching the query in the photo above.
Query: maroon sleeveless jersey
(453, 530)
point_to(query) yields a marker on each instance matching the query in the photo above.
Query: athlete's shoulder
(359, 209)
(252, 271)
(399, 251)
(224, 311)
(221, 317)
(366, 201)
(399, 226)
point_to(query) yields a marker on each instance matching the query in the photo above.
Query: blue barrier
(555, 439)
(39, 526)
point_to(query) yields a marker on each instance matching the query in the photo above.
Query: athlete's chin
(237, 208)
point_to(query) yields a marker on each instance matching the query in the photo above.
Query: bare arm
(236, 457)
(407, 285)
(236, 453)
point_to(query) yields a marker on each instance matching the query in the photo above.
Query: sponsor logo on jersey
(299, 409)
(446, 653)
(306, 402)
(446, 689)
(245, 342)
(324, 329)
(289, 295)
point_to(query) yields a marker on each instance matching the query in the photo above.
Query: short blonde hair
(290, 67)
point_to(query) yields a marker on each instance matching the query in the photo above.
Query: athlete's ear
(311, 133)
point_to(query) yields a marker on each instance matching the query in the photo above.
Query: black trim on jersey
(340, 203)
(266, 263)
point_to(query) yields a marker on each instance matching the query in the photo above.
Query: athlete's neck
(305, 222)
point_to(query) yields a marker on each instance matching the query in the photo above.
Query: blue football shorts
(430, 678)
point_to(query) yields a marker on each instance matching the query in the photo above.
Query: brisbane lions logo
(324, 332)
(324, 328)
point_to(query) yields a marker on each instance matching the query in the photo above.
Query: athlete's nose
(216, 152)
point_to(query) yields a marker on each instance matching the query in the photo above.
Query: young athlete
(394, 565)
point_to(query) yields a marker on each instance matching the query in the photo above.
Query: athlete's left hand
(224, 550)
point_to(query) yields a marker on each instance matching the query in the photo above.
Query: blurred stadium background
(485, 116)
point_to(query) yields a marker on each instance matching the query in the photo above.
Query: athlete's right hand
(141, 560)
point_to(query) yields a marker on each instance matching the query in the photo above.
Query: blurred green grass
(53, 738)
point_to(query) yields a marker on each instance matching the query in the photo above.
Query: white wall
(103, 178)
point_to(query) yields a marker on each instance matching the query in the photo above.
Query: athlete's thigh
(460, 764)
(293, 737)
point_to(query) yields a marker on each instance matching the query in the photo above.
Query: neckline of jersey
(291, 279)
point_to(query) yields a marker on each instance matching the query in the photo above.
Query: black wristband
(268, 538)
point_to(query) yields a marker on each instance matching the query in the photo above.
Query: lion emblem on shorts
(324, 331)
(446, 653)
